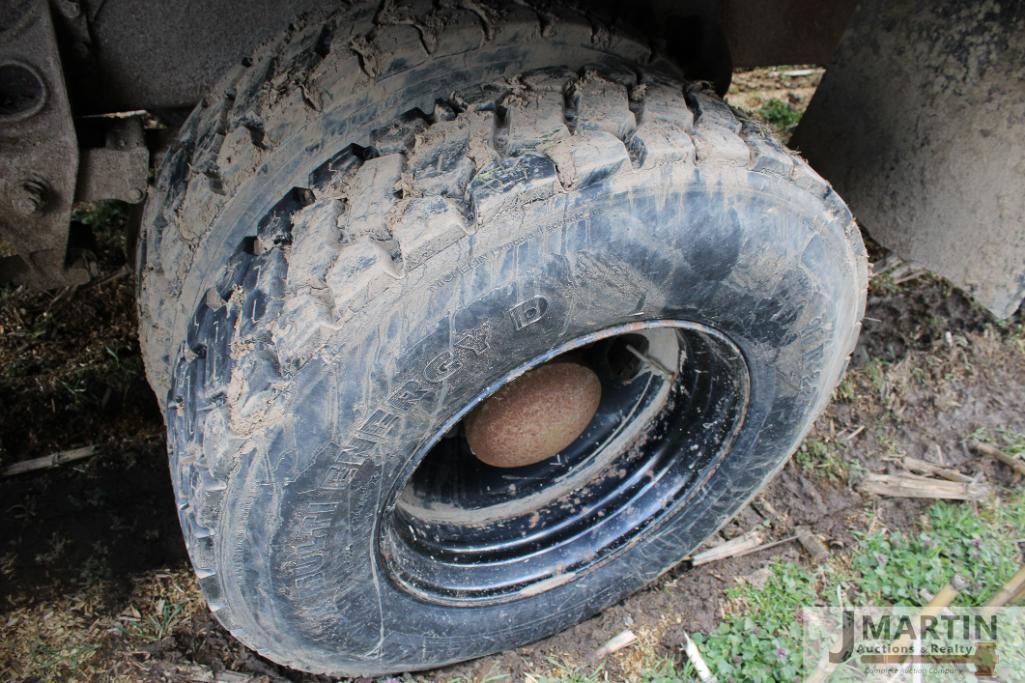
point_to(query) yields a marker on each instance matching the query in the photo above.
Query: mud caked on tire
(381, 219)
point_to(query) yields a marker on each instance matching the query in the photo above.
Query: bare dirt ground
(94, 580)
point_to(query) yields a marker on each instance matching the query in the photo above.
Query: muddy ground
(95, 583)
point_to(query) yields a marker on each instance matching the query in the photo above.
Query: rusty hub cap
(534, 417)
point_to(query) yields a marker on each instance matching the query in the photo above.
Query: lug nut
(535, 416)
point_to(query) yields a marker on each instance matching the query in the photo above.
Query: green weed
(762, 640)
(956, 540)
(847, 390)
(57, 664)
(780, 115)
(825, 459)
(664, 671)
(154, 625)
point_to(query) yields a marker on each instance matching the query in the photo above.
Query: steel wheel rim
(607, 500)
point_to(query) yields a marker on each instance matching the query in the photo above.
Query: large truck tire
(382, 220)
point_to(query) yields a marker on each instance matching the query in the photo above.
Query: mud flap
(919, 123)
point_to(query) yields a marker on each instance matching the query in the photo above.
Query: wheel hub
(535, 416)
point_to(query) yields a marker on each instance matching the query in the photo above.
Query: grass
(106, 220)
(824, 459)
(1014, 444)
(955, 540)
(57, 663)
(1009, 442)
(761, 640)
(162, 603)
(659, 670)
(884, 284)
(663, 671)
(782, 116)
(57, 641)
(760, 637)
(155, 624)
(70, 637)
(847, 389)
(875, 370)
(70, 355)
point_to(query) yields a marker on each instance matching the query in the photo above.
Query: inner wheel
(672, 395)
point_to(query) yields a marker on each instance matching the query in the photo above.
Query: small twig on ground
(811, 544)
(744, 544)
(912, 275)
(48, 461)
(694, 655)
(1019, 597)
(123, 271)
(914, 486)
(1008, 593)
(798, 73)
(61, 294)
(902, 270)
(923, 467)
(849, 437)
(615, 644)
(885, 265)
(1017, 464)
(69, 293)
(16, 314)
(741, 545)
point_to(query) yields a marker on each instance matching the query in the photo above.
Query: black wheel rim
(462, 532)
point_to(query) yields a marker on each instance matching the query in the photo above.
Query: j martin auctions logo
(891, 639)
(895, 643)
